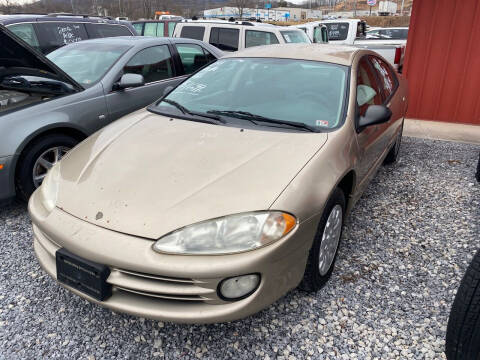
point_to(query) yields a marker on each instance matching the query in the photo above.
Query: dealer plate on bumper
(83, 275)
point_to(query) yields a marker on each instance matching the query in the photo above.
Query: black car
(46, 33)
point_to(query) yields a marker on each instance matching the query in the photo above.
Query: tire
(313, 279)
(463, 329)
(392, 155)
(24, 180)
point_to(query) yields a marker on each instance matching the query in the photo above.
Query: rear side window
(171, 28)
(154, 63)
(138, 28)
(388, 80)
(26, 33)
(225, 38)
(193, 57)
(193, 32)
(105, 30)
(151, 29)
(368, 91)
(258, 38)
(337, 31)
(52, 35)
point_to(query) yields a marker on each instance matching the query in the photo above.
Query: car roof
(336, 54)
(139, 41)
(226, 22)
(19, 18)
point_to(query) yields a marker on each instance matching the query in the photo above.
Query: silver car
(48, 105)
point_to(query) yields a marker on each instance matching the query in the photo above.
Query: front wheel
(37, 159)
(323, 253)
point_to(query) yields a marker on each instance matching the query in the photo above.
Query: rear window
(193, 32)
(394, 34)
(52, 35)
(224, 38)
(106, 30)
(258, 38)
(26, 33)
(337, 31)
(295, 36)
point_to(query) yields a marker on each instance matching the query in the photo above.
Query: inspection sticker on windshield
(323, 123)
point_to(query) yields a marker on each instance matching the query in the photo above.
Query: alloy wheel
(330, 239)
(45, 162)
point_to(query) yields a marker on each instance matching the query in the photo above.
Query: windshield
(308, 92)
(295, 36)
(87, 63)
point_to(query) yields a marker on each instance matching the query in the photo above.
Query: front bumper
(7, 186)
(177, 288)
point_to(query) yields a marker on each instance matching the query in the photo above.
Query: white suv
(238, 35)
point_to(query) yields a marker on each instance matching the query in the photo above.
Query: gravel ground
(404, 251)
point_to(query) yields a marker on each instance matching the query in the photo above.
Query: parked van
(317, 32)
(238, 35)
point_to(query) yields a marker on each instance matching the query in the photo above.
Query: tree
(241, 5)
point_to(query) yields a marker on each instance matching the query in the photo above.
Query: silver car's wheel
(45, 161)
(330, 239)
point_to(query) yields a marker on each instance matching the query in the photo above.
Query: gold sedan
(229, 191)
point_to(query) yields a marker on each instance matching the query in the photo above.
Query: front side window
(193, 57)
(368, 91)
(193, 32)
(154, 63)
(55, 34)
(308, 92)
(87, 63)
(319, 35)
(258, 38)
(26, 33)
(386, 76)
(138, 28)
(150, 29)
(295, 36)
(225, 38)
(337, 31)
(105, 30)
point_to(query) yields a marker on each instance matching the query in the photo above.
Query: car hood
(147, 175)
(19, 57)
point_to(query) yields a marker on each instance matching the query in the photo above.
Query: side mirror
(375, 114)
(129, 81)
(324, 34)
(167, 90)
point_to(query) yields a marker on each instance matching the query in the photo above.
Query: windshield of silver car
(263, 90)
(87, 63)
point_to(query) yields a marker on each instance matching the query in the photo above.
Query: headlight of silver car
(49, 188)
(229, 234)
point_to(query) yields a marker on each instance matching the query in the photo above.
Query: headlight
(49, 188)
(229, 234)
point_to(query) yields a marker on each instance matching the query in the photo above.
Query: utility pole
(355, 8)
(73, 6)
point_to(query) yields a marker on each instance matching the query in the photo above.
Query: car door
(157, 67)
(369, 139)
(395, 102)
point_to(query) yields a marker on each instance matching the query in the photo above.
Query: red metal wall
(442, 61)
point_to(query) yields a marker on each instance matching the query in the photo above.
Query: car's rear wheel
(392, 155)
(323, 253)
(463, 330)
(37, 159)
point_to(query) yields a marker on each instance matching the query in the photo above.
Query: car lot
(404, 250)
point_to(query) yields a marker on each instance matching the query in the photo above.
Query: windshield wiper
(184, 110)
(254, 118)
